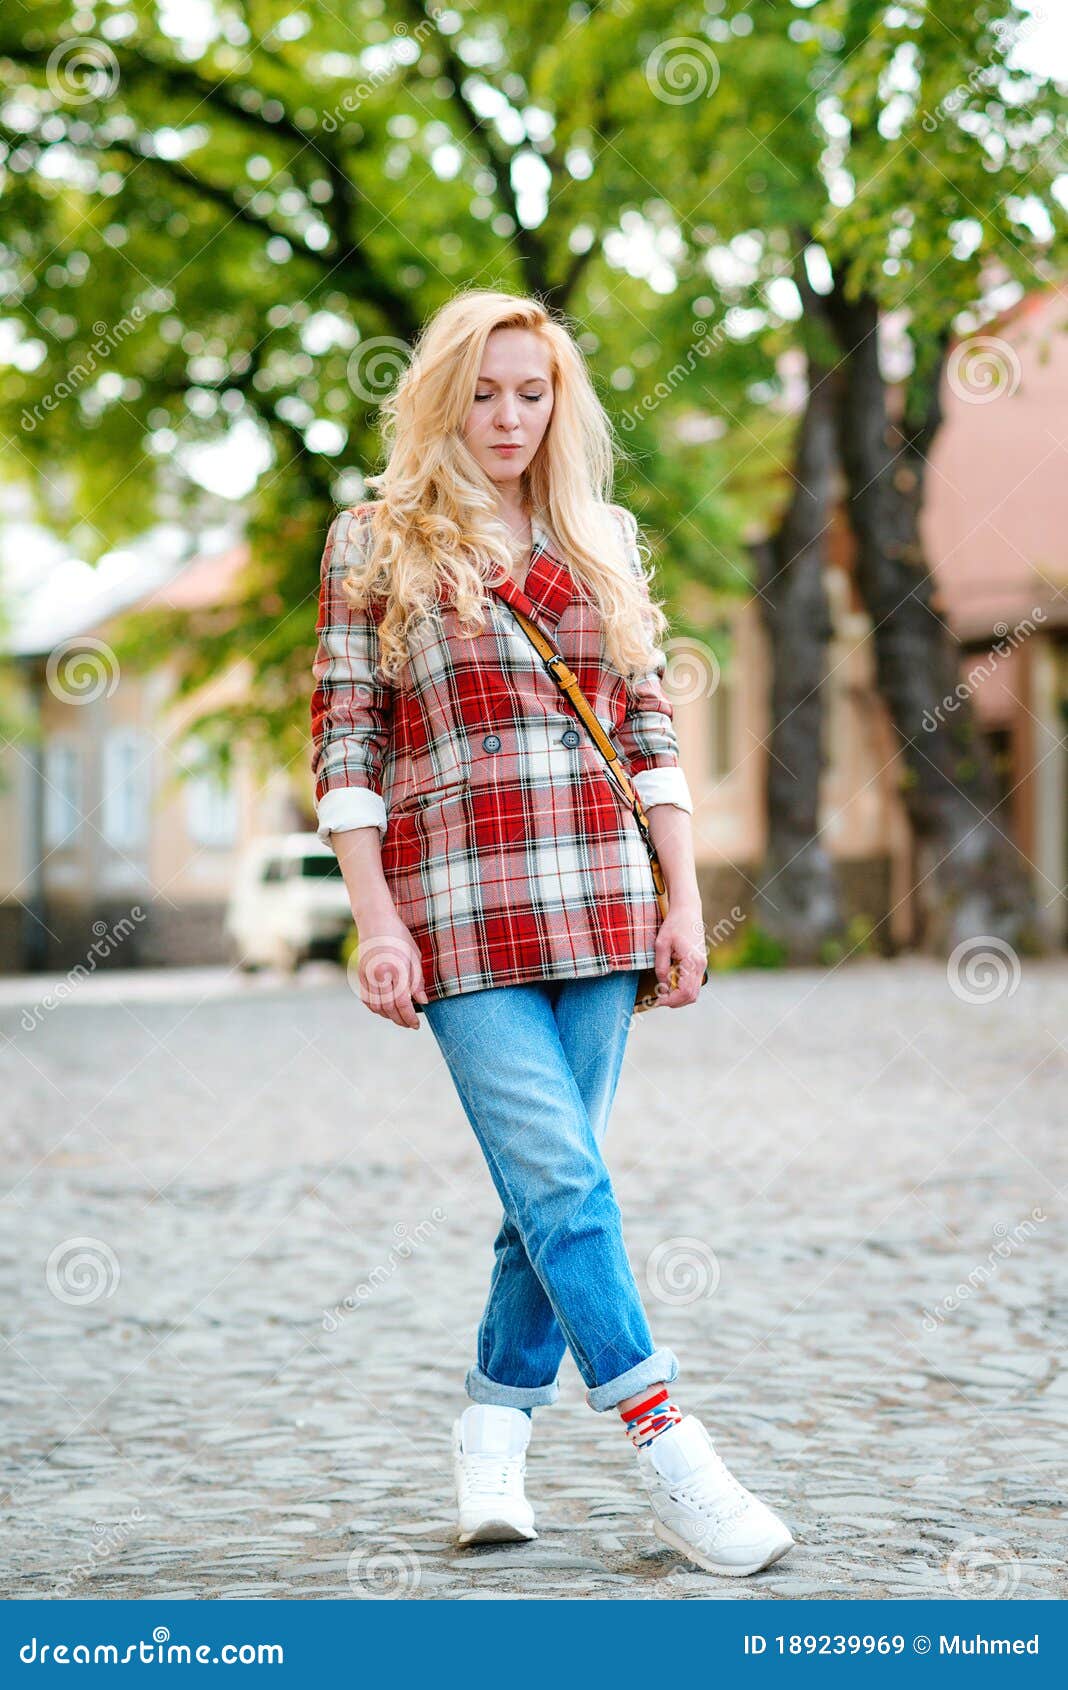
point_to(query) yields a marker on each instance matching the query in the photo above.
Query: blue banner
(748, 1642)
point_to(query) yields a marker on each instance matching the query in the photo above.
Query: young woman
(499, 885)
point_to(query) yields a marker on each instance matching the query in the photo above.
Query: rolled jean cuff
(480, 1388)
(662, 1364)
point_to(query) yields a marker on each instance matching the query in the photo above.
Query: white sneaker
(489, 1446)
(702, 1510)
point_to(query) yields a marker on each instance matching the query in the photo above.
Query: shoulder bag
(648, 993)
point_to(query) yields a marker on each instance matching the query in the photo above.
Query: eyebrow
(524, 381)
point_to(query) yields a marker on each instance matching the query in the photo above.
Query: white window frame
(211, 807)
(63, 775)
(125, 788)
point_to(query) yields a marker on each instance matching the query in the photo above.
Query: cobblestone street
(247, 1235)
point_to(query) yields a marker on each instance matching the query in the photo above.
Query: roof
(48, 620)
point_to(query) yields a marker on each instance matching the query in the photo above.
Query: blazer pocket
(437, 771)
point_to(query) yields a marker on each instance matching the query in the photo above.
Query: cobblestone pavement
(841, 1199)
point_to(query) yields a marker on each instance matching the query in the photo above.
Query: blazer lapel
(549, 586)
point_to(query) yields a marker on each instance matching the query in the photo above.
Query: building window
(125, 800)
(62, 807)
(210, 806)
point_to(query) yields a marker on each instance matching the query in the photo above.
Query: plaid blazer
(508, 855)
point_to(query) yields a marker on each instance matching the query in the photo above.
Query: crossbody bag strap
(567, 682)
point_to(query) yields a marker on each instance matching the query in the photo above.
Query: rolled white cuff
(663, 786)
(348, 807)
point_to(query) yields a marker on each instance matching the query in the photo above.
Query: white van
(288, 904)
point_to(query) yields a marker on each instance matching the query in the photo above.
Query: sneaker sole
(496, 1531)
(775, 1553)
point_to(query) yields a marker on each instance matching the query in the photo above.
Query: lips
(506, 448)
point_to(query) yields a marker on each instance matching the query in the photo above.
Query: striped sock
(651, 1417)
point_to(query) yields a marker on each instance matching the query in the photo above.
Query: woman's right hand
(389, 968)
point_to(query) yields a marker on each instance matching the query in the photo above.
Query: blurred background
(815, 254)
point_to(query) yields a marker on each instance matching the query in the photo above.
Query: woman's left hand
(681, 940)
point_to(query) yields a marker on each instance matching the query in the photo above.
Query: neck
(512, 503)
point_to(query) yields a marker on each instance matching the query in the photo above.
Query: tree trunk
(796, 900)
(971, 880)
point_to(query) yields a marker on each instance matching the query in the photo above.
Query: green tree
(251, 227)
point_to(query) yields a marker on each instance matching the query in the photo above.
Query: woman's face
(512, 405)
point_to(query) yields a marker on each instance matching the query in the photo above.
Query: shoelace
(695, 1491)
(492, 1473)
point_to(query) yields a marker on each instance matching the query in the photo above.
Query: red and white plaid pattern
(507, 853)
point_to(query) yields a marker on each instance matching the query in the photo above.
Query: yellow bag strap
(568, 685)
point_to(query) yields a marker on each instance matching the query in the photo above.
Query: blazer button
(571, 737)
(492, 742)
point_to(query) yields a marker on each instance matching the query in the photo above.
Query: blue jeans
(536, 1066)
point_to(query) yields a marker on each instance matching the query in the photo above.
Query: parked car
(288, 903)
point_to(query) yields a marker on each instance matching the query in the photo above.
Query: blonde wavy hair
(434, 528)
